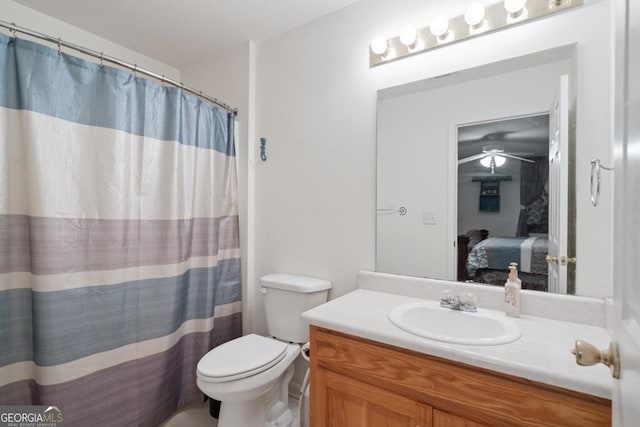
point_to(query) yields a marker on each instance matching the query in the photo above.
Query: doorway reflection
(503, 200)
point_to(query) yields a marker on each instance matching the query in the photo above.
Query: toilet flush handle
(263, 290)
(305, 351)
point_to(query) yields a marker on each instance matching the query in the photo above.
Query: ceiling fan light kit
(495, 160)
(493, 157)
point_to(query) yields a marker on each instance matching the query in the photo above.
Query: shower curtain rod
(12, 27)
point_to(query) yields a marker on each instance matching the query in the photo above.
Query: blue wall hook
(263, 149)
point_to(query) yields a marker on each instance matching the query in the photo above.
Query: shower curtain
(119, 247)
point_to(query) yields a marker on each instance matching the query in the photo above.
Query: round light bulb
(439, 26)
(474, 14)
(379, 46)
(514, 6)
(486, 161)
(408, 36)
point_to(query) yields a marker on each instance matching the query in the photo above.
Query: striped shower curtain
(119, 248)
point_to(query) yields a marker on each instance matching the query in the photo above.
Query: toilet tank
(286, 297)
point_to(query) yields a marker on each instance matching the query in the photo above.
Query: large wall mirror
(465, 181)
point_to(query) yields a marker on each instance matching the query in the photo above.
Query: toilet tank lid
(293, 283)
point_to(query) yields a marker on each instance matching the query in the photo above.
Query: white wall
(416, 157)
(41, 23)
(316, 104)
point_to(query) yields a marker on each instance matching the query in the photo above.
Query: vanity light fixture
(440, 27)
(476, 20)
(409, 37)
(474, 16)
(514, 7)
(380, 46)
(516, 10)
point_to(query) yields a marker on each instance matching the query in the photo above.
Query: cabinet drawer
(478, 395)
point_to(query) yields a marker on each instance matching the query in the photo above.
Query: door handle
(587, 355)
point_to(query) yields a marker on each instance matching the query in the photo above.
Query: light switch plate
(429, 218)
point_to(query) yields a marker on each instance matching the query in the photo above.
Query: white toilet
(250, 375)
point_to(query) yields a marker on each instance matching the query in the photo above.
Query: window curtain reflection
(534, 197)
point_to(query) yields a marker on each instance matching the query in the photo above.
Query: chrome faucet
(463, 302)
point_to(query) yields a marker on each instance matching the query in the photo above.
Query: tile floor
(197, 415)
(194, 415)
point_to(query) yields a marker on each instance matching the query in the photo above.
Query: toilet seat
(242, 357)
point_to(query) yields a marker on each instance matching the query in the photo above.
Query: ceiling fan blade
(471, 158)
(516, 157)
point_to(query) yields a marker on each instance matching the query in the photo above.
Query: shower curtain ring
(135, 69)
(59, 46)
(162, 80)
(101, 59)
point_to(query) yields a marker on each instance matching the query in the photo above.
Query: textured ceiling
(182, 32)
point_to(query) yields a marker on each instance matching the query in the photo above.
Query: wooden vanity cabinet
(443, 419)
(360, 383)
(350, 403)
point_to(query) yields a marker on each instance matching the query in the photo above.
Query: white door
(626, 328)
(558, 186)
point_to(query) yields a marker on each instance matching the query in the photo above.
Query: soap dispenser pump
(512, 292)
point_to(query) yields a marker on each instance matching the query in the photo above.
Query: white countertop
(541, 354)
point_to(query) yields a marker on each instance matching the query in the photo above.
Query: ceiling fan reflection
(494, 157)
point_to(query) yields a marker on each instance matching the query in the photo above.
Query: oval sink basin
(427, 319)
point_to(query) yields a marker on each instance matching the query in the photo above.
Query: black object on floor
(214, 408)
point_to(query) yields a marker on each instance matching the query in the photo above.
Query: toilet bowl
(250, 375)
(251, 382)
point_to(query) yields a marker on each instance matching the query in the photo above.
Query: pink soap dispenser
(512, 292)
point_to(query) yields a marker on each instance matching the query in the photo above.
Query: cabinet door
(444, 419)
(339, 401)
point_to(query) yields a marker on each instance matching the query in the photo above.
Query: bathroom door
(626, 252)
(558, 186)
